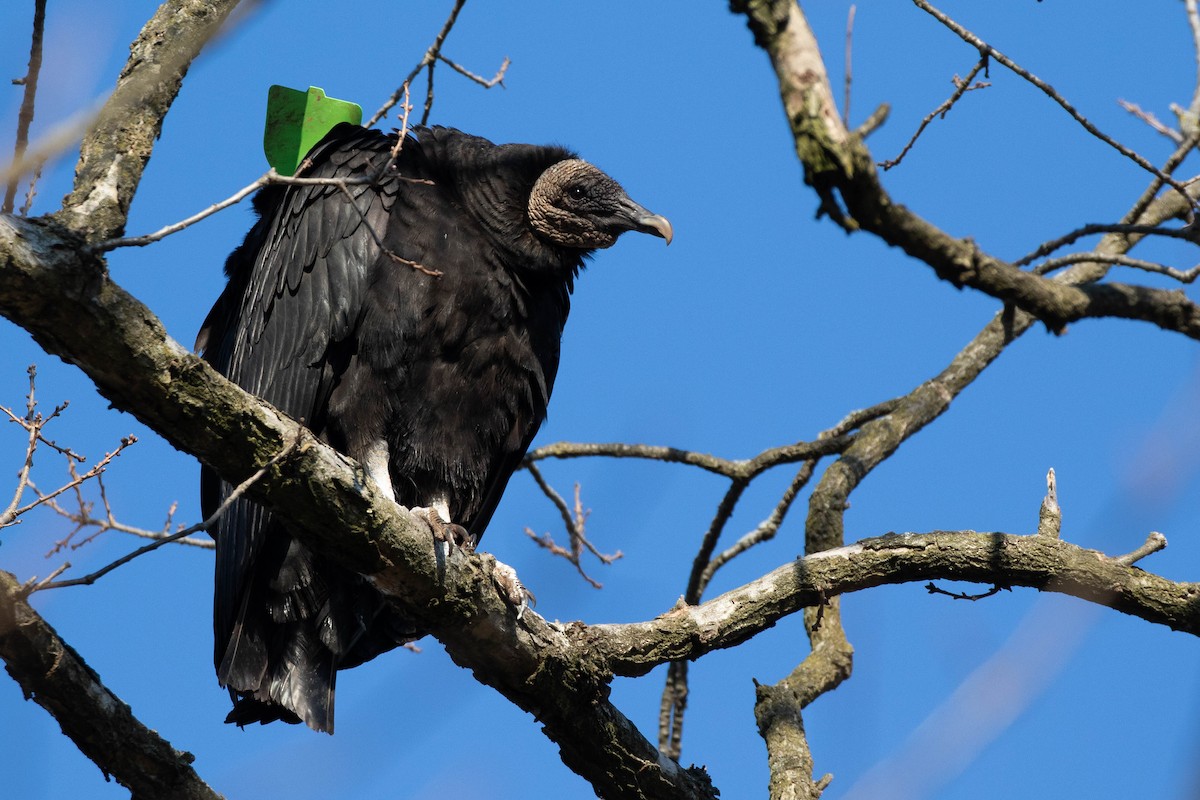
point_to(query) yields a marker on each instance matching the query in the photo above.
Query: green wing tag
(298, 120)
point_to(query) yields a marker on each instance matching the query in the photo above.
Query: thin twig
(487, 83)
(427, 60)
(932, 589)
(427, 63)
(1193, 15)
(41, 436)
(554, 497)
(1050, 246)
(433, 273)
(175, 227)
(33, 584)
(428, 109)
(25, 116)
(83, 518)
(401, 135)
(672, 709)
(849, 63)
(1151, 120)
(961, 87)
(574, 519)
(206, 525)
(269, 178)
(828, 443)
(1052, 264)
(1169, 166)
(729, 468)
(708, 543)
(987, 50)
(1154, 542)
(92, 577)
(31, 191)
(763, 532)
(76, 479)
(674, 455)
(32, 426)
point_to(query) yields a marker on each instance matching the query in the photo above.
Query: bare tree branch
(206, 525)
(487, 83)
(1122, 229)
(574, 518)
(961, 87)
(849, 79)
(1151, 120)
(1040, 562)
(1052, 264)
(25, 117)
(104, 729)
(738, 469)
(33, 424)
(82, 518)
(1154, 542)
(76, 478)
(1193, 17)
(988, 51)
(432, 55)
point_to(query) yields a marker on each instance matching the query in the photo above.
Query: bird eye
(576, 192)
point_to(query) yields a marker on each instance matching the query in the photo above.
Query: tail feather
(299, 686)
(299, 621)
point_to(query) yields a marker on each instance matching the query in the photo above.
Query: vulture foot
(448, 533)
(511, 588)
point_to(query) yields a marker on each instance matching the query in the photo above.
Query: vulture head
(574, 204)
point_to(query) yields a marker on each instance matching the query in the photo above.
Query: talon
(448, 532)
(511, 588)
(461, 537)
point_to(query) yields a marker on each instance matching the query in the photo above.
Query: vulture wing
(281, 330)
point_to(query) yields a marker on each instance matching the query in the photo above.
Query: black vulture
(413, 323)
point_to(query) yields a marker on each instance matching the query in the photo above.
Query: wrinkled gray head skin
(574, 204)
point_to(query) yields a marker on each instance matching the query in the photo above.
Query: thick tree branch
(1039, 562)
(781, 724)
(101, 726)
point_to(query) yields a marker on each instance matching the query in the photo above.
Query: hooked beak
(641, 220)
(656, 225)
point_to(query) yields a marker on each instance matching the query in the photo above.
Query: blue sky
(759, 326)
